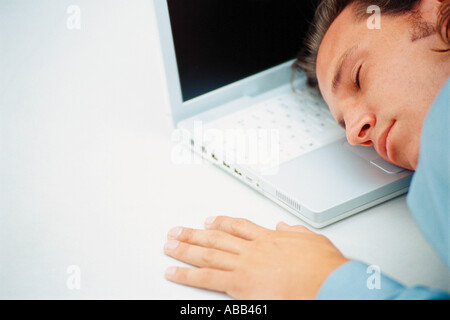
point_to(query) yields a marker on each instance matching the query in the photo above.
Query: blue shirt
(428, 201)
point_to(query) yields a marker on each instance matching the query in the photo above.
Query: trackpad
(387, 167)
(374, 158)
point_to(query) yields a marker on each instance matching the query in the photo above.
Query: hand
(247, 261)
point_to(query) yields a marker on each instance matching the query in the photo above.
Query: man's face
(380, 84)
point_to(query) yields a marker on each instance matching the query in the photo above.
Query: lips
(382, 143)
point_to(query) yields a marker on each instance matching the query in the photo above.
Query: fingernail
(171, 244)
(210, 220)
(175, 232)
(171, 271)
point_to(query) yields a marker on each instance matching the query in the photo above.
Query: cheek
(400, 88)
(391, 98)
(392, 84)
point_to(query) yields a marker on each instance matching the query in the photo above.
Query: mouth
(383, 143)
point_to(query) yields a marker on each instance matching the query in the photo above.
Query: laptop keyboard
(291, 125)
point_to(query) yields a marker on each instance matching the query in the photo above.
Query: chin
(414, 163)
(414, 159)
(407, 157)
(410, 167)
(409, 163)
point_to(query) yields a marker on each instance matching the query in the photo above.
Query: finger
(241, 228)
(203, 278)
(199, 256)
(208, 238)
(281, 226)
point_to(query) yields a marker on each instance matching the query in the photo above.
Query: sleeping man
(390, 89)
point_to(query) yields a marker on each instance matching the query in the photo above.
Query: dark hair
(328, 10)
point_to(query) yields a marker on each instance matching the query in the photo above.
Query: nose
(359, 129)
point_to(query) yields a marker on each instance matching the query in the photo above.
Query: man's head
(380, 83)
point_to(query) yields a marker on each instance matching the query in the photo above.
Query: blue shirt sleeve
(358, 281)
(428, 201)
(429, 194)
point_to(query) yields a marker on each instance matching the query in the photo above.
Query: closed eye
(356, 81)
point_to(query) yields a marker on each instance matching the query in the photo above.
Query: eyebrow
(337, 79)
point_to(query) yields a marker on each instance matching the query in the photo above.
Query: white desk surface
(86, 176)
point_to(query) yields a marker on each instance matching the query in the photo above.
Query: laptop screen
(218, 42)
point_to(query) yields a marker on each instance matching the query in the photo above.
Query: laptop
(233, 98)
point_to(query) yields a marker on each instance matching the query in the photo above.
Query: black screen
(218, 42)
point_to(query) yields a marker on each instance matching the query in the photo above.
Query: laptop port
(226, 165)
(214, 157)
(249, 179)
(237, 172)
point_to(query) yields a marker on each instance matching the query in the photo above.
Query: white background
(86, 176)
